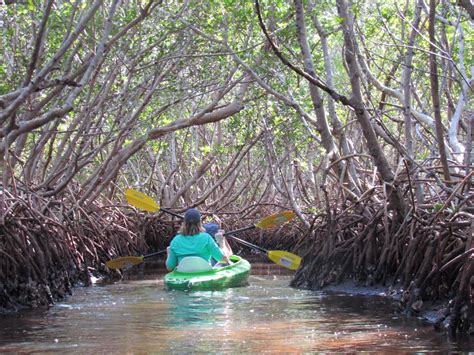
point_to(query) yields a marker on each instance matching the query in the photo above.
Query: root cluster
(48, 247)
(428, 253)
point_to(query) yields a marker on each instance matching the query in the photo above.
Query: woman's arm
(216, 252)
(171, 259)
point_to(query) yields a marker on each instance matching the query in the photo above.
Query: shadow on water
(139, 316)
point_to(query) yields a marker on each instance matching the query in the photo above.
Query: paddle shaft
(153, 254)
(171, 212)
(142, 201)
(239, 230)
(244, 242)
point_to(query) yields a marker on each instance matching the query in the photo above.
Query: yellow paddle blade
(124, 262)
(276, 219)
(285, 259)
(141, 201)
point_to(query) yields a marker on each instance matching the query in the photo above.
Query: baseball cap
(192, 215)
(211, 228)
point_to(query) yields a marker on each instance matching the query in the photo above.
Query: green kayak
(194, 273)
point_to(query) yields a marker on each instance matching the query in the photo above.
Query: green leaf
(205, 149)
(31, 5)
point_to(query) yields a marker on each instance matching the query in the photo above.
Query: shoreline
(431, 311)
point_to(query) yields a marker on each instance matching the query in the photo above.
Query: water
(140, 316)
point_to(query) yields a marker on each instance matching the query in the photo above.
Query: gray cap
(192, 215)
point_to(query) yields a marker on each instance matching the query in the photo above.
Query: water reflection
(199, 308)
(140, 316)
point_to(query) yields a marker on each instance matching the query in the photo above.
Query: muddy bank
(432, 312)
(428, 250)
(432, 283)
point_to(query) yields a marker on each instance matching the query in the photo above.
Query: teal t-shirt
(202, 245)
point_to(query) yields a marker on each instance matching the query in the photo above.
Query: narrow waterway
(140, 316)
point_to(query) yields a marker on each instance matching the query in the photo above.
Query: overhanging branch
(315, 81)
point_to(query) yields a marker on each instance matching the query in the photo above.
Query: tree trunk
(361, 113)
(335, 121)
(435, 93)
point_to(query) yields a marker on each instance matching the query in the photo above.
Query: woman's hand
(220, 238)
(223, 262)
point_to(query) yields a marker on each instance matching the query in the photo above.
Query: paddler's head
(192, 223)
(211, 228)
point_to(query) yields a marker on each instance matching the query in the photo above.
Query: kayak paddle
(128, 261)
(144, 202)
(280, 257)
(274, 220)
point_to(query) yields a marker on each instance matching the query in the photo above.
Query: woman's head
(192, 222)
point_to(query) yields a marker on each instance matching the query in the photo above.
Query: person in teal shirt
(192, 240)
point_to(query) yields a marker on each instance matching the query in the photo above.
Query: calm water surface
(140, 316)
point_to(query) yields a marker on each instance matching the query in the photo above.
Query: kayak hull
(234, 275)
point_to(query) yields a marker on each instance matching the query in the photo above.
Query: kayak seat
(193, 264)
